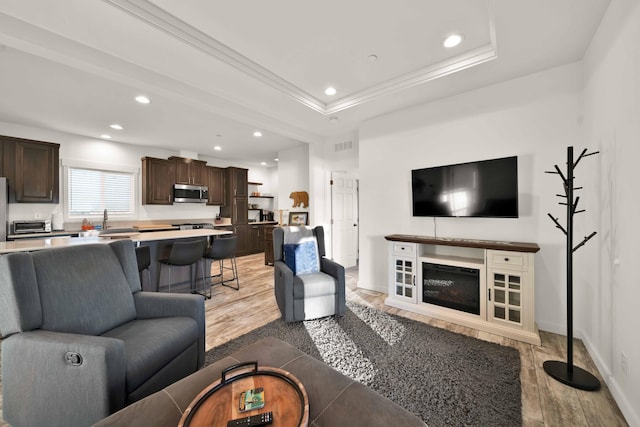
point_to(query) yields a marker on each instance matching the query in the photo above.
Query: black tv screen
(487, 188)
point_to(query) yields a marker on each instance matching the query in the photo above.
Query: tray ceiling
(216, 71)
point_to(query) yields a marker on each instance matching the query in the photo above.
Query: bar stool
(184, 253)
(224, 248)
(143, 256)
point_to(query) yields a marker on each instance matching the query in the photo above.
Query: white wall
(319, 191)
(593, 105)
(293, 175)
(535, 118)
(325, 159)
(78, 148)
(308, 168)
(612, 122)
(339, 158)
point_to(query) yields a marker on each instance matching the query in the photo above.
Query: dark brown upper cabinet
(158, 177)
(2, 157)
(32, 169)
(237, 182)
(215, 183)
(236, 200)
(190, 171)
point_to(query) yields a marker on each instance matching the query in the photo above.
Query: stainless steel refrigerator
(4, 203)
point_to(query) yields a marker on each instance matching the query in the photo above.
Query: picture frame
(298, 218)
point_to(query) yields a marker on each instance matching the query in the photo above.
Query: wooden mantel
(467, 243)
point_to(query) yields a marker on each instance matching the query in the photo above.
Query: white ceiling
(217, 71)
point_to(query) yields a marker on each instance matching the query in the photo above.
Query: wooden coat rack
(566, 373)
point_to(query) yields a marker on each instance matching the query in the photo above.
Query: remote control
(252, 421)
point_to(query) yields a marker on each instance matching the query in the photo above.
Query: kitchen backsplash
(146, 213)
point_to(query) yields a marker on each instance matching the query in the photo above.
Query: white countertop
(176, 234)
(57, 233)
(28, 245)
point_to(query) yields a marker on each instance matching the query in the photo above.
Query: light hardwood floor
(545, 402)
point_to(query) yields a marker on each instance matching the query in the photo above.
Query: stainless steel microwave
(183, 193)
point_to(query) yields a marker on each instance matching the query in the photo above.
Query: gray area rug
(445, 378)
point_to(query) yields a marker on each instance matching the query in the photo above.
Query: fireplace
(452, 287)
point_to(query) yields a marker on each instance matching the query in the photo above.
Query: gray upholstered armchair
(82, 341)
(307, 285)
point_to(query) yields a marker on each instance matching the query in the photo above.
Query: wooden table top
(284, 396)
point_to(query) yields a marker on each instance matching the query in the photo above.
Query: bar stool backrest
(186, 252)
(223, 248)
(143, 256)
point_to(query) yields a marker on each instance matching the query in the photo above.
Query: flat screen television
(487, 188)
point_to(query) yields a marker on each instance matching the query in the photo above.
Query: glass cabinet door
(404, 283)
(506, 301)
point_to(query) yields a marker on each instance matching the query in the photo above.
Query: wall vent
(343, 146)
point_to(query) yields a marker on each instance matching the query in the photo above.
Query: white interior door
(344, 216)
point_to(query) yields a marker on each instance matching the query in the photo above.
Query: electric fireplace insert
(452, 287)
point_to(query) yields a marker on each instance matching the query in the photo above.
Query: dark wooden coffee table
(284, 396)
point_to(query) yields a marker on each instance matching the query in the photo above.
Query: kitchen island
(159, 243)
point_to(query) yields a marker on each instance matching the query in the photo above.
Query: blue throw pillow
(289, 254)
(302, 257)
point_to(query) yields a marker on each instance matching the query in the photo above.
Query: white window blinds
(91, 191)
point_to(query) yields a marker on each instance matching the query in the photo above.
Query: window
(91, 191)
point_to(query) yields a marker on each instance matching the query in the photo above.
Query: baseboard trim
(370, 292)
(628, 411)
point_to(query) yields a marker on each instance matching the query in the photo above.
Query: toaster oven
(35, 226)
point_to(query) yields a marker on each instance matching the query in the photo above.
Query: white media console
(483, 284)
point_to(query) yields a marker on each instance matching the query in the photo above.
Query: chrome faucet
(104, 220)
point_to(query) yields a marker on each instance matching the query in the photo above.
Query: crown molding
(157, 17)
(147, 12)
(442, 69)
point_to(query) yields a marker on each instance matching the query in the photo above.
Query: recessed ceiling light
(217, 148)
(116, 126)
(330, 91)
(143, 99)
(276, 159)
(372, 58)
(105, 136)
(263, 163)
(453, 40)
(257, 134)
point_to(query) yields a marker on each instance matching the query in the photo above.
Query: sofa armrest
(336, 271)
(150, 305)
(161, 304)
(283, 272)
(283, 288)
(332, 268)
(35, 374)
